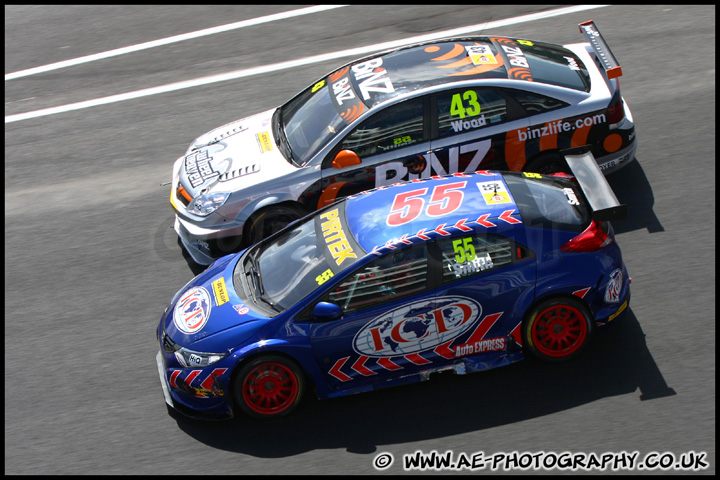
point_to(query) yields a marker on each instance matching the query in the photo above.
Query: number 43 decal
(458, 109)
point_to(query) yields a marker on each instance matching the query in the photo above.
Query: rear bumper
(612, 163)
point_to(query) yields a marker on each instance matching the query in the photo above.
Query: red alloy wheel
(559, 331)
(270, 388)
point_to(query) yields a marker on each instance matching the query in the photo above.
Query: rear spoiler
(603, 52)
(597, 190)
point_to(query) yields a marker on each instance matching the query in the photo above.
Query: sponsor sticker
(198, 167)
(192, 310)
(220, 291)
(335, 238)
(241, 309)
(417, 326)
(481, 346)
(612, 292)
(264, 142)
(494, 192)
(481, 55)
(571, 197)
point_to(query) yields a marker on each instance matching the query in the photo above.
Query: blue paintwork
(485, 308)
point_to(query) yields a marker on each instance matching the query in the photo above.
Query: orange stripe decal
(329, 195)
(514, 151)
(580, 136)
(457, 50)
(548, 142)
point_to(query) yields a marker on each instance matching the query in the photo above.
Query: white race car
(451, 105)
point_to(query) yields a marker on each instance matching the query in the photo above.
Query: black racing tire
(548, 163)
(557, 329)
(269, 220)
(269, 386)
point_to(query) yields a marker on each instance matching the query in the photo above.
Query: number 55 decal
(407, 206)
(464, 250)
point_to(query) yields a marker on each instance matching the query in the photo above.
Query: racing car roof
(382, 76)
(426, 209)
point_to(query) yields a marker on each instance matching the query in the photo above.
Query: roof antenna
(484, 26)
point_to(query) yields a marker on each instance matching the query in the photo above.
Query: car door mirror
(327, 312)
(345, 158)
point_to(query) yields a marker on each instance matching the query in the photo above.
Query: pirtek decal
(335, 237)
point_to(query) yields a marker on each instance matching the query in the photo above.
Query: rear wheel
(269, 386)
(557, 329)
(549, 163)
(267, 221)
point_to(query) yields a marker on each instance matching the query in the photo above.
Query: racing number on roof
(407, 206)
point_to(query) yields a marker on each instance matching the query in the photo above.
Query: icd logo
(416, 327)
(192, 310)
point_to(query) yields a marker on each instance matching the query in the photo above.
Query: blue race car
(462, 272)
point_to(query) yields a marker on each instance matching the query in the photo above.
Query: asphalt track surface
(91, 259)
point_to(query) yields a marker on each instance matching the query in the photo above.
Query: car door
(498, 273)
(477, 128)
(423, 307)
(388, 147)
(376, 335)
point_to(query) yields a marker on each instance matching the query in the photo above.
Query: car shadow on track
(632, 188)
(616, 363)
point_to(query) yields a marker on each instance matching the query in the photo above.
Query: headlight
(191, 359)
(186, 357)
(206, 203)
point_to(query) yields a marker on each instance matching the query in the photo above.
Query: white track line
(174, 39)
(294, 63)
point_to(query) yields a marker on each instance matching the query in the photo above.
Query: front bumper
(198, 241)
(196, 393)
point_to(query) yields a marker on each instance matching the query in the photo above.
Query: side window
(394, 127)
(467, 109)
(535, 104)
(473, 254)
(392, 276)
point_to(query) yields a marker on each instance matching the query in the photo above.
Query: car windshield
(309, 121)
(290, 266)
(549, 202)
(556, 65)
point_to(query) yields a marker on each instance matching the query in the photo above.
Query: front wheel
(267, 221)
(269, 386)
(557, 329)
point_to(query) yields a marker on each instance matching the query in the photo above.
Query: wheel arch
(283, 349)
(548, 299)
(540, 157)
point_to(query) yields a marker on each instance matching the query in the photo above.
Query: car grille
(168, 345)
(182, 195)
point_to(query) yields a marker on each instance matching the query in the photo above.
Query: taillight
(592, 239)
(616, 110)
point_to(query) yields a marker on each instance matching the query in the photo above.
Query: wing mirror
(345, 158)
(327, 312)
